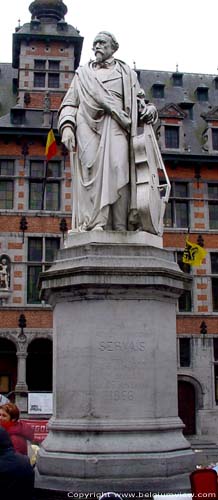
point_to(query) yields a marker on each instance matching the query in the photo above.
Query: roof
(185, 96)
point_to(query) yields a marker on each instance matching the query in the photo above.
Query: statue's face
(102, 47)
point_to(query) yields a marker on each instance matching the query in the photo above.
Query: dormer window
(215, 138)
(202, 93)
(216, 83)
(158, 90)
(177, 79)
(171, 137)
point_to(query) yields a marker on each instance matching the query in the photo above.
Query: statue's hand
(148, 114)
(122, 118)
(68, 138)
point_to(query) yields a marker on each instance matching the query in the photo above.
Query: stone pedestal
(115, 423)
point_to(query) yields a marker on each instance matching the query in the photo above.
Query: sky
(153, 34)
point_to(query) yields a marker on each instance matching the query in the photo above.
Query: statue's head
(104, 45)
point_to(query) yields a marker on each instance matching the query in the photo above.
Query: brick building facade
(46, 52)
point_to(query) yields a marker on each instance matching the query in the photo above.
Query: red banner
(39, 427)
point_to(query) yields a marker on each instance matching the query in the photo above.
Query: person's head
(9, 412)
(104, 45)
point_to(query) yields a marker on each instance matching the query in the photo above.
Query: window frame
(38, 265)
(173, 204)
(177, 79)
(182, 355)
(158, 91)
(214, 132)
(202, 94)
(7, 178)
(212, 204)
(50, 203)
(215, 363)
(46, 73)
(187, 296)
(169, 139)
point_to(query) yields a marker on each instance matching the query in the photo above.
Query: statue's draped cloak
(104, 161)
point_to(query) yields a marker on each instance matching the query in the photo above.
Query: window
(215, 354)
(53, 80)
(39, 80)
(39, 64)
(185, 300)
(46, 73)
(202, 94)
(177, 79)
(177, 209)
(171, 137)
(54, 65)
(51, 196)
(215, 294)
(214, 262)
(214, 280)
(41, 252)
(158, 90)
(188, 108)
(6, 167)
(215, 348)
(6, 184)
(215, 138)
(185, 352)
(213, 205)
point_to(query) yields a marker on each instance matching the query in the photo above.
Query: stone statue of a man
(99, 115)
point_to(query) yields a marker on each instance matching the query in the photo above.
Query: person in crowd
(16, 473)
(18, 430)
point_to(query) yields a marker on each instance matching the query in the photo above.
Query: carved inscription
(121, 395)
(124, 346)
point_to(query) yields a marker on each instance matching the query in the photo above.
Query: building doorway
(187, 406)
(39, 366)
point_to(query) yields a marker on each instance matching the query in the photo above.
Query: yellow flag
(193, 254)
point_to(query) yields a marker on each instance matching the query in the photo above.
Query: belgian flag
(50, 151)
(51, 146)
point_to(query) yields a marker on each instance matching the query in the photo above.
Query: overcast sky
(156, 34)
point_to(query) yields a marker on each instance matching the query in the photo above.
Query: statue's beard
(99, 56)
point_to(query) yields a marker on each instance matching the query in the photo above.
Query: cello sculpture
(150, 194)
